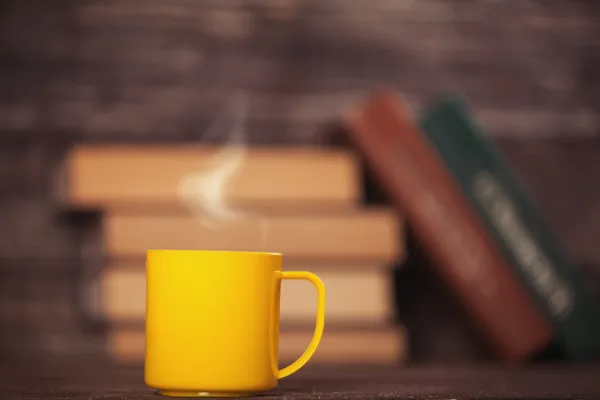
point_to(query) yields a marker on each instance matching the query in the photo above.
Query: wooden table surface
(92, 379)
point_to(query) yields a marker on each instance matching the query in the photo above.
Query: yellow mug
(212, 322)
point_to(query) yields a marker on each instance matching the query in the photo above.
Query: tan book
(355, 294)
(359, 346)
(108, 176)
(368, 235)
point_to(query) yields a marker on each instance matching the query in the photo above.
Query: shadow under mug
(212, 322)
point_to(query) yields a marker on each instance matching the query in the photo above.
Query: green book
(512, 220)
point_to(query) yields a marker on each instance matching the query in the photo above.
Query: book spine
(462, 252)
(511, 219)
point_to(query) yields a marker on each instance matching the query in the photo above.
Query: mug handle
(320, 324)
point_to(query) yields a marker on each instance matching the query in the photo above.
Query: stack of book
(479, 227)
(302, 202)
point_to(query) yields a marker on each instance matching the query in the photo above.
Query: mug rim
(266, 253)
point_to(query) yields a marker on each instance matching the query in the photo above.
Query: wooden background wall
(141, 70)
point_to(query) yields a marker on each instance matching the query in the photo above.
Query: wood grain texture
(96, 378)
(31, 230)
(161, 71)
(145, 69)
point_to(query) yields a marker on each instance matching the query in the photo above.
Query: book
(382, 346)
(463, 254)
(440, 330)
(107, 176)
(366, 235)
(511, 217)
(122, 294)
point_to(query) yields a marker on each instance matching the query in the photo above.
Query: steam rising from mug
(204, 190)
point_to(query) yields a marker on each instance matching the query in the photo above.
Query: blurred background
(148, 72)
